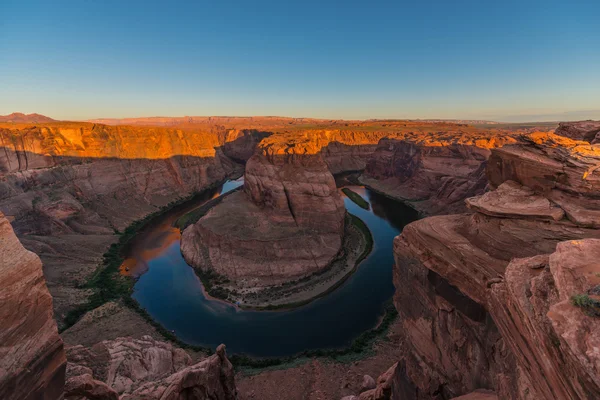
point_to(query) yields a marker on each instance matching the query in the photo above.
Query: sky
(465, 59)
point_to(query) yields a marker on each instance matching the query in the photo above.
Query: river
(172, 294)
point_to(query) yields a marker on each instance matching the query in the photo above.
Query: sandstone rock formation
(554, 340)
(32, 358)
(588, 131)
(432, 173)
(68, 187)
(147, 369)
(471, 320)
(287, 224)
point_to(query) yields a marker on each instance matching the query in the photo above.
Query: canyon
(496, 290)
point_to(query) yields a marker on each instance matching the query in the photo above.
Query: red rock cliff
(473, 321)
(32, 359)
(433, 173)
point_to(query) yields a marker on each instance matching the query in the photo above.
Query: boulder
(211, 379)
(86, 387)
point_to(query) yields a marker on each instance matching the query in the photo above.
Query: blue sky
(344, 59)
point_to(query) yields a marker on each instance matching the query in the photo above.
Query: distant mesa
(25, 118)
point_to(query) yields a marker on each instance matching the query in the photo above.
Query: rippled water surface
(170, 291)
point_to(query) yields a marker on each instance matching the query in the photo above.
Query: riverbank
(357, 244)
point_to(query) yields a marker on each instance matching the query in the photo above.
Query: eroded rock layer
(433, 173)
(286, 224)
(145, 369)
(588, 131)
(471, 320)
(32, 358)
(555, 341)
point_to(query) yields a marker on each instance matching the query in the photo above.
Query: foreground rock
(147, 369)
(32, 358)
(286, 224)
(471, 320)
(554, 340)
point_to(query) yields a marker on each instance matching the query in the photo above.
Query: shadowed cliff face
(451, 347)
(432, 174)
(32, 359)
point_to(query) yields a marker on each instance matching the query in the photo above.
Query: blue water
(171, 292)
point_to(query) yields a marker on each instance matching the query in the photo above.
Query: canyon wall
(286, 224)
(433, 173)
(32, 358)
(471, 320)
(69, 188)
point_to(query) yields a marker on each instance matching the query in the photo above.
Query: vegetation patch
(588, 304)
(356, 198)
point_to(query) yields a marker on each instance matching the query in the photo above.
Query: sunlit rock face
(475, 293)
(433, 174)
(32, 358)
(286, 224)
(588, 131)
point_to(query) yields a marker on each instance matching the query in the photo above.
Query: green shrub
(589, 305)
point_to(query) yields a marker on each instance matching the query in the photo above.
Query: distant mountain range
(18, 117)
(25, 118)
(580, 115)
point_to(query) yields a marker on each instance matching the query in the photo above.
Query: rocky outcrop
(147, 369)
(554, 340)
(86, 387)
(433, 174)
(511, 200)
(471, 320)
(210, 379)
(32, 358)
(588, 131)
(286, 224)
